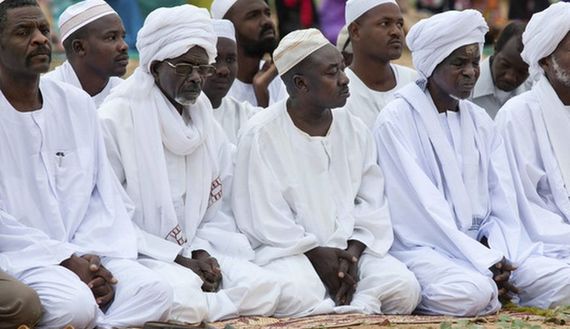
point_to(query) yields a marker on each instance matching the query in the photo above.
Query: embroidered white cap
(355, 8)
(80, 14)
(296, 46)
(224, 29)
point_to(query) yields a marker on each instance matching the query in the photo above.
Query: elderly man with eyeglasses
(175, 163)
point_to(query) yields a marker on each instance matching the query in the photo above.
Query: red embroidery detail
(177, 236)
(215, 191)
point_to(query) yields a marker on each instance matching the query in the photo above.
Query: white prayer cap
(355, 8)
(432, 39)
(543, 34)
(343, 41)
(296, 46)
(171, 32)
(80, 14)
(224, 29)
(220, 8)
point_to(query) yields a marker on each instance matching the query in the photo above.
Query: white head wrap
(171, 32)
(220, 8)
(355, 8)
(296, 46)
(342, 39)
(224, 29)
(543, 34)
(432, 39)
(80, 14)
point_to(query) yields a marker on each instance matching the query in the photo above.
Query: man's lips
(123, 60)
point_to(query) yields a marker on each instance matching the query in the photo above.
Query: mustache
(41, 50)
(265, 29)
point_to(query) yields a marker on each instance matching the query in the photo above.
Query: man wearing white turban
(376, 30)
(93, 37)
(257, 82)
(230, 113)
(536, 130)
(65, 230)
(175, 162)
(456, 221)
(310, 196)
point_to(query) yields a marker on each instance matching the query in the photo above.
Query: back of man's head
(514, 29)
(11, 4)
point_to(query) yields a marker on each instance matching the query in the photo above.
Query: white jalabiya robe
(198, 186)
(243, 92)
(525, 123)
(233, 115)
(293, 192)
(59, 196)
(488, 96)
(65, 73)
(449, 185)
(366, 103)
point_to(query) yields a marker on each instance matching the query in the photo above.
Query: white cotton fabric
(531, 124)
(224, 29)
(365, 103)
(244, 92)
(294, 192)
(59, 197)
(171, 32)
(66, 73)
(233, 115)
(355, 8)
(453, 189)
(296, 46)
(543, 33)
(220, 8)
(342, 40)
(80, 14)
(432, 39)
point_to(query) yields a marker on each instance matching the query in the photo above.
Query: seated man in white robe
(93, 38)
(456, 222)
(257, 82)
(19, 304)
(175, 162)
(376, 29)
(536, 130)
(310, 196)
(230, 113)
(503, 74)
(65, 230)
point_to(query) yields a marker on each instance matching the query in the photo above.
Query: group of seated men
(204, 187)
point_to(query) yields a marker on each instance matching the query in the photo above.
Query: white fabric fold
(356, 8)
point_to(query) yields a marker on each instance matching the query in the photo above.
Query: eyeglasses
(185, 69)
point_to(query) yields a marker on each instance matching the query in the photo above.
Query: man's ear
(78, 47)
(545, 62)
(154, 70)
(300, 83)
(353, 31)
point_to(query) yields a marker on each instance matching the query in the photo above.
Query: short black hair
(513, 29)
(11, 4)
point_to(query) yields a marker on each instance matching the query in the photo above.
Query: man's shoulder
(518, 109)
(405, 74)
(266, 120)
(62, 89)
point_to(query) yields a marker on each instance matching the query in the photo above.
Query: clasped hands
(205, 266)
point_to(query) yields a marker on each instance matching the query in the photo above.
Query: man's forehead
(16, 15)
(246, 6)
(383, 11)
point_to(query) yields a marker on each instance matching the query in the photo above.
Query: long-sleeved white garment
(243, 92)
(293, 192)
(543, 196)
(65, 73)
(197, 186)
(366, 103)
(449, 184)
(58, 197)
(233, 115)
(488, 96)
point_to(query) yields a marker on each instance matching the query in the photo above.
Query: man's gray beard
(185, 101)
(561, 75)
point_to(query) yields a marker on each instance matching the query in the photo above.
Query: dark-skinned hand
(326, 262)
(346, 291)
(205, 267)
(90, 271)
(261, 81)
(501, 274)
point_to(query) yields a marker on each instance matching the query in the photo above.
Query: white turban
(355, 8)
(171, 32)
(80, 14)
(432, 39)
(220, 8)
(342, 40)
(224, 29)
(296, 46)
(543, 34)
